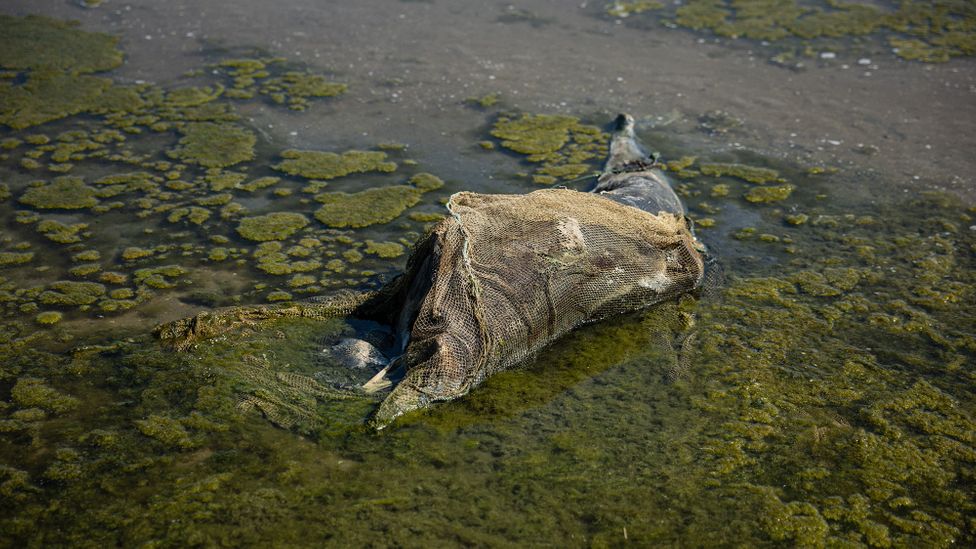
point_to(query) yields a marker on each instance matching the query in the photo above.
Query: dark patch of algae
(924, 31)
(823, 398)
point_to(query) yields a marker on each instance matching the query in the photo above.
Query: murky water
(824, 398)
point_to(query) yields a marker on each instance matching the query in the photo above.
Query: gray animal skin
(630, 176)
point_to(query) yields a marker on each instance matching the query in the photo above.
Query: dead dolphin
(632, 176)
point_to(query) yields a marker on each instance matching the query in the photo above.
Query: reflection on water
(824, 397)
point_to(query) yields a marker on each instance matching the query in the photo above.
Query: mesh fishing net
(506, 275)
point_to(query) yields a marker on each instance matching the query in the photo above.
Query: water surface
(825, 398)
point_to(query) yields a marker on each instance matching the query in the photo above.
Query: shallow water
(826, 397)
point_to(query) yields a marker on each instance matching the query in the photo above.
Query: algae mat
(931, 32)
(822, 395)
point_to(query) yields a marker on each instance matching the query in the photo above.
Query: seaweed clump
(272, 226)
(327, 165)
(365, 208)
(768, 194)
(923, 31)
(62, 233)
(167, 430)
(294, 88)
(426, 181)
(56, 58)
(30, 392)
(214, 145)
(71, 293)
(48, 318)
(565, 147)
(15, 258)
(49, 95)
(64, 192)
(37, 42)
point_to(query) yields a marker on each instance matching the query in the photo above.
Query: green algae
(564, 147)
(218, 254)
(48, 318)
(301, 280)
(85, 269)
(764, 195)
(278, 295)
(15, 258)
(47, 95)
(36, 42)
(214, 145)
(273, 261)
(263, 76)
(917, 50)
(259, 183)
(70, 293)
(222, 181)
(426, 181)
(796, 219)
(386, 250)
(29, 392)
(719, 190)
(61, 232)
(9, 143)
(158, 277)
(328, 165)
(365, 208)
(122, 293)
(192, 96)
(702, 14)
(30, 164)
(294, 88)
(922, 31)
(133, 253)
(272, 226)
(193, 214)
(64, 192)
(166, 430)
(352, 256)
(534, 134)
